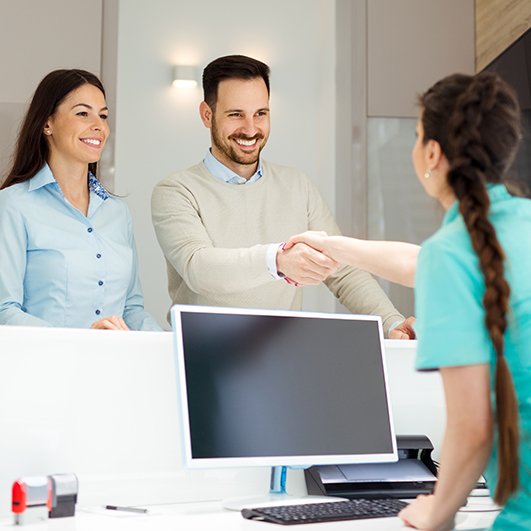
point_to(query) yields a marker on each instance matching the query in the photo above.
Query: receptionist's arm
(394, 261)
(466, 448)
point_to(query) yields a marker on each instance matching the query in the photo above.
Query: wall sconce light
(184, 76)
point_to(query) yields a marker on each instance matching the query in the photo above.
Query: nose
(249, 127)
(99, 124)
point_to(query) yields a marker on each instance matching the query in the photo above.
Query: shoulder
(285, 172)
(184, 177)
(450, 242)
(188, 182)
(447, 264)
(15, 190)
(186, 185)
(14, 198)
(511, 213)
(292, 181)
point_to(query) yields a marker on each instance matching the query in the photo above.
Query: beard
(230, 152)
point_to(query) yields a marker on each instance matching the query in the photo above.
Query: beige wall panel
(411, 44)
(498, 24)
(37, 37)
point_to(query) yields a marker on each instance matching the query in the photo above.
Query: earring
(47, 132)
(427, 174)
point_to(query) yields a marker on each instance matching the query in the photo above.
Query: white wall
(157, 127)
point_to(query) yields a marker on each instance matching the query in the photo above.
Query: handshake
(303, 260)
(309, 258)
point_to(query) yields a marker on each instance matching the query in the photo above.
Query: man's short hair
(231, 67)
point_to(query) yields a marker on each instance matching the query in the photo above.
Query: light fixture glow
(184, 76)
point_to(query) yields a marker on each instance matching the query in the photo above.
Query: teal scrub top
(451, 329)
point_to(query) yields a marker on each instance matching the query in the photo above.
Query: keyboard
(309, 513)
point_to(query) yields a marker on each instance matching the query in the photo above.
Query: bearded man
(221, 223)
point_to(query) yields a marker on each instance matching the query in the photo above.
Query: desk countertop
(209, 516)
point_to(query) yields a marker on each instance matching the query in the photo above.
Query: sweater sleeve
(355, 289)
(186, 244)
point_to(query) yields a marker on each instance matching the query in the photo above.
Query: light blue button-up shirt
(61, 268)
(220, 171)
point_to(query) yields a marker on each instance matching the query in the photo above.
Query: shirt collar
(45, 177)
(497, 192)
(220, 171)
(96, 187)
(42, 178)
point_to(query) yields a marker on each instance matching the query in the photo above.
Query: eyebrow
(241, 110)
(88, 106)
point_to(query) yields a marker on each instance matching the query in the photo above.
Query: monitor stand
(277, 494)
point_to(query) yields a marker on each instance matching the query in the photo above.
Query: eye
(82, 113)
(261, 113)
(234, 115)
(104, 116)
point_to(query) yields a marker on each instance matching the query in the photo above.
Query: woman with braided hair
(472, 296)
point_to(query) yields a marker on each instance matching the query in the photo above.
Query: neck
(72, 179)
(447, 201)
(69, 175)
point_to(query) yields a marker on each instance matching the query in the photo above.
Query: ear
(47, 127)
(206, 114)
(434, 154)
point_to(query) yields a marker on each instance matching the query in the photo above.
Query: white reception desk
(103, 405)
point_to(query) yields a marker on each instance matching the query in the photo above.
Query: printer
(414, 473)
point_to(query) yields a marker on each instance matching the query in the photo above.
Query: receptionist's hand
(304, 265)
(422, 514)
(112, 322)
(404, 330)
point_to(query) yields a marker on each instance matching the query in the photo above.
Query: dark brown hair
(476, 120)
(231, 67)
(32, 151)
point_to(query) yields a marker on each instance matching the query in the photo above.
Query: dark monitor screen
(281, 388)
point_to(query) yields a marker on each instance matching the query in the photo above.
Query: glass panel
(398, 208)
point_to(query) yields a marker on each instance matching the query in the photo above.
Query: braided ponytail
(479, 141)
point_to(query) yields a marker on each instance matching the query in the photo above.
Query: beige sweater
(215, 236)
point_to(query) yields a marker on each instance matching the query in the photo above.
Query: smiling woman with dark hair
(68, 255)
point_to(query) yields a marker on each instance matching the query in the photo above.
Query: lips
(93, 142)
(242, 142)
(246, 142)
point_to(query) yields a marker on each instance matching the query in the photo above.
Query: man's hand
(304, 265)
(112, 322)
(404, 330)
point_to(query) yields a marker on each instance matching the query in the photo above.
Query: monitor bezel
(289, 460)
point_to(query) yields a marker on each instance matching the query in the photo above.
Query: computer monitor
(281, 388)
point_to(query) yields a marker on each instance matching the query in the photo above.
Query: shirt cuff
(394, 325)
(271, 259)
